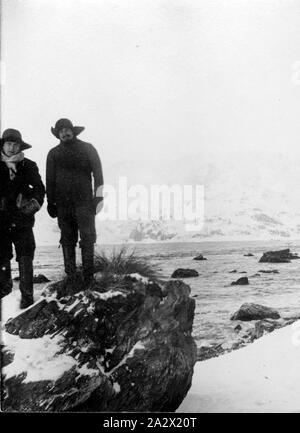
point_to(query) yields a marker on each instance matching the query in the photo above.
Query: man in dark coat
(21, 196)
(72, 198)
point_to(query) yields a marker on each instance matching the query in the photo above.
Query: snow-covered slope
(261, 377)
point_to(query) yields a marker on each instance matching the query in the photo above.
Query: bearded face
(66, 135)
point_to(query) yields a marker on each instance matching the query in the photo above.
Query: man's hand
(98, 204)
(30, 207)
(52, 210)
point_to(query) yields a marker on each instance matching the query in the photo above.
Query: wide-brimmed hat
(66, 123)
(15, 136)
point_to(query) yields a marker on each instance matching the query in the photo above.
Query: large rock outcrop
(282, 256)
(128, 348)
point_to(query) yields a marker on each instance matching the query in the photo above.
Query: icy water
(215, 299)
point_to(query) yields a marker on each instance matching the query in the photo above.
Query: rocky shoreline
(246, 331)
(252, 321)
(246, 334)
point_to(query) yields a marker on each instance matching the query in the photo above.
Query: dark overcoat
(70, 167)
(27, 182)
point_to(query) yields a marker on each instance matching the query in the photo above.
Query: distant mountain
(246, 197)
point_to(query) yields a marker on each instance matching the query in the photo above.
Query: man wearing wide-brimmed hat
(72, 197)
(21, 196)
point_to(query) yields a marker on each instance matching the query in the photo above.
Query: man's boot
(6, 283)
(26, 281)
(70, 269)
(87, 254)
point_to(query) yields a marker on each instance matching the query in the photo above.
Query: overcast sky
(154, 80)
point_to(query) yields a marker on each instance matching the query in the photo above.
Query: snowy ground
(262, 377)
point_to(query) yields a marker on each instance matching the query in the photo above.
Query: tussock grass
(122, 262)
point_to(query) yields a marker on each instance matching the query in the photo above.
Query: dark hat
(14, 135)
(66, 123)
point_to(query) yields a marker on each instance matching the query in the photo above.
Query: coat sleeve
(96, 170)
(35, 180)
(50, 178)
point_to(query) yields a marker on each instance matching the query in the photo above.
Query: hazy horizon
(154, 81)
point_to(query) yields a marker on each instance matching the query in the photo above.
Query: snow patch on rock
(116, 387)
(109, 294)
(31, 356)
(139, 277)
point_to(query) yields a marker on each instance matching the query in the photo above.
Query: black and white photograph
(150, 208)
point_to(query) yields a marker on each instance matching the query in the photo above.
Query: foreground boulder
(240, 282)
(128, 348)
(249, 311)
(282, 256)
(184, 273)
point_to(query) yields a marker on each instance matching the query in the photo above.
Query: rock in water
(269, 271)
(184, 273)
(37, 279)
(248, 255)
(249, 311)
(264, 327)
(129, 348)
(294, 256)
(207, 352)
(199, 257)
(282, 256)
(241, 281)
(40, 278)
